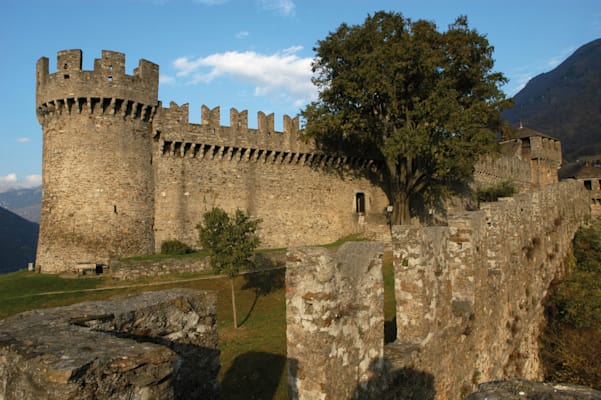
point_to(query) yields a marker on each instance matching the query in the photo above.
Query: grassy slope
(253, 357)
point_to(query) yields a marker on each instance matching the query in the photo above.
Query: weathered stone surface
(519, 389)
(469, 295)
(529, 161)
(335, 321)
(149, 268)
(156, 345)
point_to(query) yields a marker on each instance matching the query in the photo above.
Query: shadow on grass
(263, 283)
(253, 375)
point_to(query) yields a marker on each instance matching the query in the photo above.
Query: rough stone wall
(156, 345)
(469, 295)
(593, 187)
(140, 269)
(123, 270)
(302, 197)
(491, 170)
(335, 321)
(528, 162)
(98, 195)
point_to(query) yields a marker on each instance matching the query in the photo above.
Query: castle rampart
(469, 300)
(469, 295)
(122, 173)
(529, 161)
(302, 195)
(173, 126)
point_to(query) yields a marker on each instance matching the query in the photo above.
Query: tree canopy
(425, 103)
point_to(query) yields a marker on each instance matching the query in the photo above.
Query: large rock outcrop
(155, 345)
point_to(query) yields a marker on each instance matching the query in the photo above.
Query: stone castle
(122, 173)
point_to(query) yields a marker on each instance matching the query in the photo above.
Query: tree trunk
(234, 303)
(401, 212)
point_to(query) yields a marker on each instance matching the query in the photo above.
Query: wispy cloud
(285, 8)
(211, 2)
(242, 34)
(166, 80)
(23, 140)
(520, 76)
(32, 180)
(280, 74)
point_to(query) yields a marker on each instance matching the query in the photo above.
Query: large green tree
(424, 103)
(231, 242)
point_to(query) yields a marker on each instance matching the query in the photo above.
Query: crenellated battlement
(173, 129)
(107, 88)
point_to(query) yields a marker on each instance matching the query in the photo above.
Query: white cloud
(558, 59)
(23, 140)
(12, 181)
(166, 80)
(210, 2)
(242, 34)
(284, 8)
(279, 74)
(10, 178)
(32, 180)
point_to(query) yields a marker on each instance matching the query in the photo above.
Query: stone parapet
(469, 295)
(335, 321)
(156, 345)
(106, 87)
(151, 268)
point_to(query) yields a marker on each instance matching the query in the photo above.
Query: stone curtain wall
(489, 171)
(469, 295)
(156, 345)
(335, 321)
(303, 198)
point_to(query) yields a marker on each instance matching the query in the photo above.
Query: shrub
(175, 247)
(492, 193)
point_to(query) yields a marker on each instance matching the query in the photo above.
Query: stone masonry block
(335, 321)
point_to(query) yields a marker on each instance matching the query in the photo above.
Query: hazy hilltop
(18, 241)
(26, 203)
(565, 103)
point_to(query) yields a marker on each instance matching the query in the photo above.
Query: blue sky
(247, 54)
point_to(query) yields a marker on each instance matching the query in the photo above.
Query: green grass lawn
(253, 357)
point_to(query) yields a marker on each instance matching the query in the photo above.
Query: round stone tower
(97, 200)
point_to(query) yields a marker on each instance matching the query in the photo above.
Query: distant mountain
(565, 103)
(18, 241)
(24, 202)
